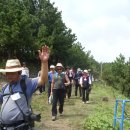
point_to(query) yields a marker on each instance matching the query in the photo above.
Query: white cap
(52, 67)
(85, 71)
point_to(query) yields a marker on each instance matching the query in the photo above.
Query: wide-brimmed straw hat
(12, 65)
(59, 65)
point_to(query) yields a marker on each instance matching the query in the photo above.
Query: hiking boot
(53, 118)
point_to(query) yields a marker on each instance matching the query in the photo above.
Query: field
(97, 115)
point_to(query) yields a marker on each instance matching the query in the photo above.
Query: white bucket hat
(12, 65)
(59, 65)
(85, 71)
(52, 67)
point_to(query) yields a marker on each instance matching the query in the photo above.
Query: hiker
(59, 81)
(25, 70)
(76, 78)
(16, 95)
(85, 83)
(50, 74)
(69, 73)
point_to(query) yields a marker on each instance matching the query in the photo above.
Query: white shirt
(81, 80)
(25, 71)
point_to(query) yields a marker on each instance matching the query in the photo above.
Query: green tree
(16, 29)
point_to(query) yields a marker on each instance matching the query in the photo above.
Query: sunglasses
(59, 69)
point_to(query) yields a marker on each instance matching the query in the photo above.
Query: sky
(101, 26)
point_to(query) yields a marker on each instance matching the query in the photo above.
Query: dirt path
(73, 118)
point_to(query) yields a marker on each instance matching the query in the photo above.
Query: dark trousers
(41, 88)
(78, 87)
(49, 90)
(85, 94)
(69, 90)
(58, 96)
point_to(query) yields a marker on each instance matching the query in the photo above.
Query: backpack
(23, 87)
(85, 82)
(59, 80)
(29, 109)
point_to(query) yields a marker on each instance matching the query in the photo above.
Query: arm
(1, 98)
(80, 82)
(90, 81)
(67, 80)
(44, 56)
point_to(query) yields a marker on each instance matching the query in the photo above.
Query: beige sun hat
(52, 67)
(85, 71)
(59, 65)
(12, 65)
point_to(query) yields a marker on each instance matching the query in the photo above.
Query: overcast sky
(101, 26)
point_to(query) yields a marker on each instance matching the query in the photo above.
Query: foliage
(16, 30)
(117, 74)
(26, 25)
(101, 120)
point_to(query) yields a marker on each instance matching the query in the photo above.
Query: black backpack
(86, 83)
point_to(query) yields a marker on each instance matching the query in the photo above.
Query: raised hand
(44, 54)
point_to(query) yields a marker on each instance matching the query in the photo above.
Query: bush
(101, 120)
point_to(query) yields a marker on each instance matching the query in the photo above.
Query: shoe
(83, 102)
(61, 114)
(53, 118)
(87, 101)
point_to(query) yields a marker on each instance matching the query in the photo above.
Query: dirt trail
(73, 118)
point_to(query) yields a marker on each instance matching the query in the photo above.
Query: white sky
(101, 26)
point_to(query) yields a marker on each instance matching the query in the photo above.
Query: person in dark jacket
(69, 73)
(77, 76)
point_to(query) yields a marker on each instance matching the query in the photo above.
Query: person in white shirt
(25, 71)
(85, 82)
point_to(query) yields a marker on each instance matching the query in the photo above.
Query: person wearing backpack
(15, 111)
(77, 76)
(50, 74)
(25, 70)
(68, 88)
(59, 81)
(85, 83)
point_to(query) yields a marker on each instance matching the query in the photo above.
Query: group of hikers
(61, 83)
(16, 95)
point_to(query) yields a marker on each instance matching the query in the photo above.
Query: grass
(98, 115)
(77, 116)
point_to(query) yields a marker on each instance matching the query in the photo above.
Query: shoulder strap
(3, 89)
(86, 78)
(24, 87)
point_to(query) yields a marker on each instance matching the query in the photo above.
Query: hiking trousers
(68, 90)
(77, 86)
(85, 94)
(58, 97)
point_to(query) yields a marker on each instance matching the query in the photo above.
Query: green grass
(98, 115)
